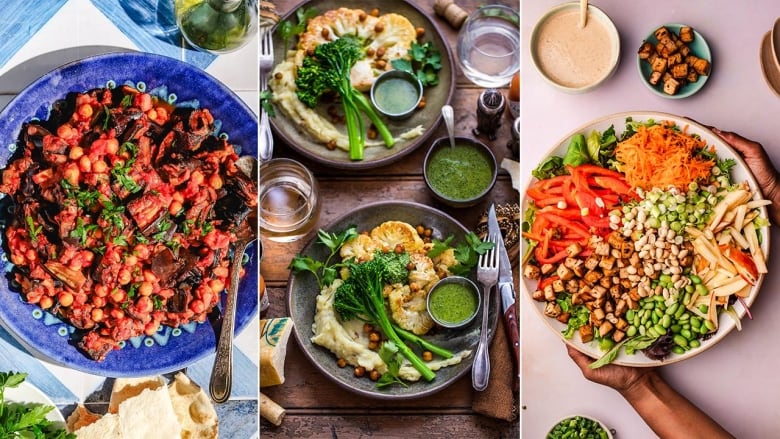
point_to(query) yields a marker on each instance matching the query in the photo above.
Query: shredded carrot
(660, 157)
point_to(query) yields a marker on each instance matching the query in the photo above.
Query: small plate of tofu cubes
(674, 61)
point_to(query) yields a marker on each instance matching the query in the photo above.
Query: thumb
(579, 358)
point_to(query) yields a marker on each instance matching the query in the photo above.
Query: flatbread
(194, 411)
(126, 388)
(107, 427)
(149, 415)
(81, 417)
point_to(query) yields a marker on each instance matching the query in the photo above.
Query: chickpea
(374, 12)
(374, 375)
(46, 302)
(427, 356)
(373, 345)
(381, 64)
(421, 105)
(75, 153)
(331, 145)
(146, 288)
(367, 328)
(85, 111)
(112, 146)
(420, 32)
(370, 52)
(278, 76)
(420, 229)
(360, 371)
(374, 336)
(410, 266)
(97, 314)
(380, 52)
(428, 233)
(362, 16)
(325, 32)
(65, 299)
(215, 181)
(399, 248)
(99, 167)
(414, 287)
(379, 27)
(371, 134)
(131, 260)
(342, 363)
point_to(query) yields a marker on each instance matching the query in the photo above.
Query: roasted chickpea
(362, 16)
(374, 336)
(427, 356)
(420, 32)
(399, 248)
(381, 64)
(374, 12)
(379, 27)
(373, 345)
(278, 76)
(420, 229)
(374, 375)
(421, 105)
(325, 32)
(360, 371)
(371, 134)
(370, 52)
(414, 287)
(428, 232)
(410, 266)
(380, 52)
(331, 145)
(342, 363)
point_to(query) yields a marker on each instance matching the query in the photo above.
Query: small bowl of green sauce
(396, 94)
(453, 302)
(460, 176)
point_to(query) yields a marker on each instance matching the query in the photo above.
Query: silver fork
(266, 60)
(487, 275)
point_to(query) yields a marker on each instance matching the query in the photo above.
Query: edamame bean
(678, 350)
(642, 330)
(658, 312)
(695, 279)
(659, 329)
(652, 333)
(702, 290)
(675, 328)
(672, 309)
(685, 316)
(694, 343)
(666, 321)
(631, 331)
(680, 312)
(709, 324)
(679, 340)
(630, 315)
(686, 333)
(695, 322)
(704, 309)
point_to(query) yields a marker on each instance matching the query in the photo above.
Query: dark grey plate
(302, 291)
(435, 97)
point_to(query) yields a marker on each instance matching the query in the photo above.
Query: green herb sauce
(453, 303)
(395, 95)
(460, 173)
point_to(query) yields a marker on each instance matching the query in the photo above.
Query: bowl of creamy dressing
(574, 59)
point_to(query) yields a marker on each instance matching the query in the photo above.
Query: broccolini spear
(360, 296)
(328, 69)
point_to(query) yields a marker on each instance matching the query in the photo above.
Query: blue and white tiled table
(42, 35)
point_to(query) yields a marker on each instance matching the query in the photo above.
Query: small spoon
(221, 382)
(583, 13)
(448, 115)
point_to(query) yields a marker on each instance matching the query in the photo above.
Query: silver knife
(507, 289)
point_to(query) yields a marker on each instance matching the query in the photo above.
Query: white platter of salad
(646, 239)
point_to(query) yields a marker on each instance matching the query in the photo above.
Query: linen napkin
(498, 400)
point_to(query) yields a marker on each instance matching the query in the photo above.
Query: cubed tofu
(633, 293)
(599, 314)
(692, 76)
(691, 60)
(617, 336)
(598, 292)
(592, 262)
(702, 67)
(675, 59)
(538, 295)
(552, 309)
(573, 250)
(627, 250)
(609, 308)
(607, 262)
(605, 328)
(592, 277)
(655, 78)
(576, 299)
(684, 50)
(645, 50)
(558, 286)
(601, 248)
(659, 64)
(621, 324)
(547, 269)
(667, 48)
(531, 271)
(572, 286)
(615, 291)
(621, 306)
(686, 34)
(549, 293)
(586, 333)
(680, 71)
(575, 265)
(661, 33)
(563, 317)
(564, 273)
(615, 239)
(671, 86)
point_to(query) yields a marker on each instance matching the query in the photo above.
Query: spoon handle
(221, 381)
(449, 120)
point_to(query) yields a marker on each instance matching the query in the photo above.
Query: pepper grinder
(490, 108)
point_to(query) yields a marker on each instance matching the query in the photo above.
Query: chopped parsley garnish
(32, 228)
(127, 101)
(82, 231)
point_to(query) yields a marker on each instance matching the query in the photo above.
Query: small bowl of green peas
(579, 426)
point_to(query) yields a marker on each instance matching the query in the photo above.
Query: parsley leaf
(33, 229)
(265, 102)
(390, 356)
(288, 30)
(424, 63)
(324, 271)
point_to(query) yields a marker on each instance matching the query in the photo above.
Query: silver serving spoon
(449, 120)
(221, 382)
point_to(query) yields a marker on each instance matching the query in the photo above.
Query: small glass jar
(217, 26)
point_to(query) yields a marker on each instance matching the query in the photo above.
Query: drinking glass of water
(289, 200)
(489, 46)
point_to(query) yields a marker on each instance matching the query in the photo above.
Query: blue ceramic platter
(170, 349)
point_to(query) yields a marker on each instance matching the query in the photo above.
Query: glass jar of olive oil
(217, 26)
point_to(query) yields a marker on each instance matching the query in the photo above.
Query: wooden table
(317, 407)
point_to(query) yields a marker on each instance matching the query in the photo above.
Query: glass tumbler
(289, 200)
(489, 46)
